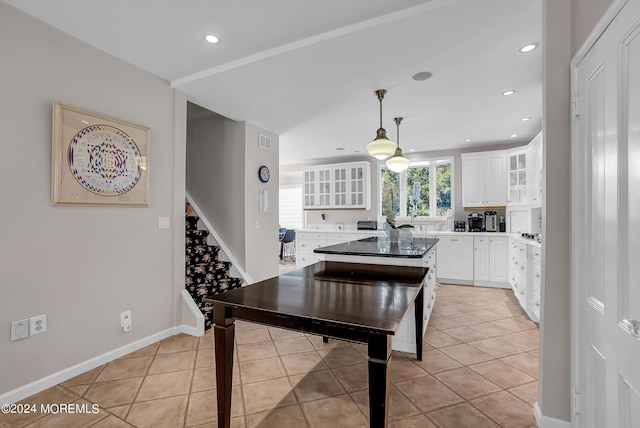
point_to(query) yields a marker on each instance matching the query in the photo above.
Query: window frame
(432, 162)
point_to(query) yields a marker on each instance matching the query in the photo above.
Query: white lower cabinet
(309, 240)
(498, 257)
(454, 262)
(306, 242)
(405, 338)
(525, 275)
(480, 260)
(490, 261)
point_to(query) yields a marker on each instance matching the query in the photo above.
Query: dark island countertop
(376, 246)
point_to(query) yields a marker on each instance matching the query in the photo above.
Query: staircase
(205, 274)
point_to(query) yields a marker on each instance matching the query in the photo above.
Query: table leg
(419, 313)
(223, 337)
(379, 379)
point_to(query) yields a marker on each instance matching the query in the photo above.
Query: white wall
(215, 173)
(80, 265)
(223, 158)
(554, 387)
(261, 242)
(584, 16)
(566, 23)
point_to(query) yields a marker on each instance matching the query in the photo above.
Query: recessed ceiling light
(212, 39)
(509, 92)
(513, 135)
(468, 140)
(412, 150)
(529, 47)
(356, 151)
(524, 119)
(314, 156)
(422, 75)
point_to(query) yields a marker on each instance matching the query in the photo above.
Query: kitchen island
(377, 250)
(360, 303)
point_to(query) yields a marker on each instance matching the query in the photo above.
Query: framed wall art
(98, 160)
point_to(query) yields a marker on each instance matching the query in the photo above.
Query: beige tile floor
(480, 369)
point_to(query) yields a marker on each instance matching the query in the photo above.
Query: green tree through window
(434, 176)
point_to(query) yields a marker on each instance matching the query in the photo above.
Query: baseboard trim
(198, 329)
(546, 421)
(73, 371)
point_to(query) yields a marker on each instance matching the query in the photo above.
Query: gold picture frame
(98, 160)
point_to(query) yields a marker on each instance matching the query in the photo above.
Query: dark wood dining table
(363, 303)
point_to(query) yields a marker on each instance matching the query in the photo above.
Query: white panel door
(605, 238)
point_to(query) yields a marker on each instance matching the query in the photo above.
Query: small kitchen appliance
(490, 221)
(367, 225)
(476, 222)
(459, 226)
(502, 224)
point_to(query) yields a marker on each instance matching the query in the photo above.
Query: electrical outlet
(125, 321)
(38, 325)
(19, 330)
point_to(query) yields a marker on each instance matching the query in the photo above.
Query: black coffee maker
(476, 222)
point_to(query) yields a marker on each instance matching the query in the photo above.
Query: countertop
(378, 246)
(449, 233)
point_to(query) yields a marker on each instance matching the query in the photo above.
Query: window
(291, 207)
(433, 180)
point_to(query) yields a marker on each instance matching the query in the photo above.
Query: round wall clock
(264, 174)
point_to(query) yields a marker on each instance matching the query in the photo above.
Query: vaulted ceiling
(308, 70)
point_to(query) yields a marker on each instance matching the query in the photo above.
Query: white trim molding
(198, 329)
(247, 279)
(546, 421)
(73, 371)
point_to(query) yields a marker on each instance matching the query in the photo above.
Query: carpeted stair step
(199, 254)
(204, 273)
(198, 291)
(191, 222)
(196, 237)
(207, 311)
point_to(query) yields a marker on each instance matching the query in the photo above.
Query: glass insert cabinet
(344, 185)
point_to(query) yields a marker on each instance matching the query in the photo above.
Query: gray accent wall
(81, 265)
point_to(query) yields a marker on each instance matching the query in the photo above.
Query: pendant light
(398, 162)
(381, 148)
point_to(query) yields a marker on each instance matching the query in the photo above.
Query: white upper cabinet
(345, 185)
(483, 179)
(517, 176)
(535, 170)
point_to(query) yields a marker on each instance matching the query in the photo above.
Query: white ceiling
(307, 70)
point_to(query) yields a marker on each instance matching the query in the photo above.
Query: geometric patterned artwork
(98, 160)
(104, 160)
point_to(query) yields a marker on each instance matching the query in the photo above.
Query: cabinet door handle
(522, 292)
(537, 303)
(454, 240)
(521, 267)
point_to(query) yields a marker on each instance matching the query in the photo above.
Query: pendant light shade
(398, 162)
(381, 148)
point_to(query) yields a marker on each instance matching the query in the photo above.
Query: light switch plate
(163, 222)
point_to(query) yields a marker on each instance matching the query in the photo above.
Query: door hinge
(575, 401)
(575, 106)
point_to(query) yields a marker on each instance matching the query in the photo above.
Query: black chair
(289, 236)
(281, 233)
